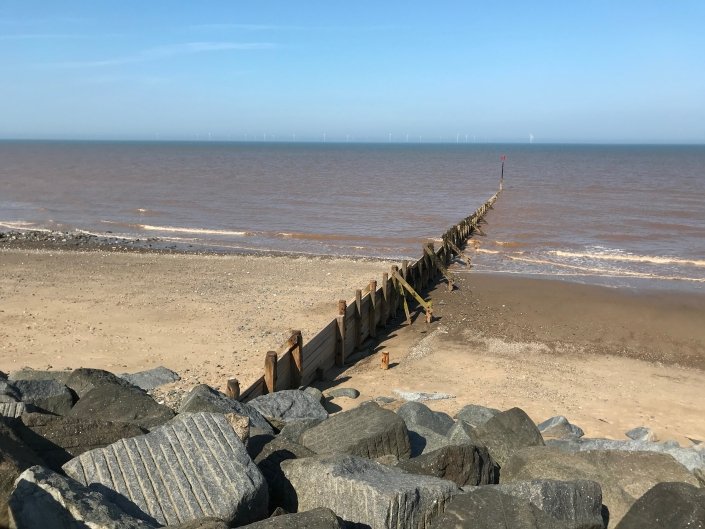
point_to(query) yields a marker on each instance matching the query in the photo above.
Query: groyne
(298, 363)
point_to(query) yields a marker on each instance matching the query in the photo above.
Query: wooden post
(270, 372)
(232, 389)
(372, 313)
(429, 261)
(395, 292)
(405, 270)
(340, 335)
(296, 343)
(358, 319)
(385, 299)
(385, 360)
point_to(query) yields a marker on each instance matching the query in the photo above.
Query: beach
(609, 359)
(207, 317)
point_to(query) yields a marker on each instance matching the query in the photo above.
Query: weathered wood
(232, 388)
(395, 291)
(296, 343)
(270, 372)
(342, 305)
(255, 390)
(460, 254)
(407, 286)
(358, 318)
(372, 312)
(340, 341)
(385, 360)
(385, 299)
(449, 277)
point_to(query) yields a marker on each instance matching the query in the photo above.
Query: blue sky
(627, 71)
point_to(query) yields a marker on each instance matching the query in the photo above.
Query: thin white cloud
(164, 52)
(274, 27)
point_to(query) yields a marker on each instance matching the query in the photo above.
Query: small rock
(350, 393)
(289, 405)
(476, 415)
(559, 428)
(641, 433)
(151, 378)
(241, 425)
(314, 392)
(419, 396)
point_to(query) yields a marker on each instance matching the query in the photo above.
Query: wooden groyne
(299, 363)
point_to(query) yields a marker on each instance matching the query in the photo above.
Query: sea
(618, 215)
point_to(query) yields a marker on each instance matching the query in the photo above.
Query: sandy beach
(607, 359)
(207, 317)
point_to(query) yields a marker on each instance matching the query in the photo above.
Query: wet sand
(608, 359)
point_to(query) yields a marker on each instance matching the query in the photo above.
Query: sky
(575, 72)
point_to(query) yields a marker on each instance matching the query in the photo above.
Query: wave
(22, 225)
(199, 231)
(603, 272)
(630, 258)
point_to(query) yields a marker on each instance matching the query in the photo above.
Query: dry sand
(608, 359)
(206, 317)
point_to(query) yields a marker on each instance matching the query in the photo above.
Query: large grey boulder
(83, 380)
(27, 373)
(193, 467)
(671, 505)
(151, 378)
(559, 427)
(47, 395)
(292, 430)
(461, 464)
(424, 440)
(417, 414)
(507, 432)
(202, 523)
(364, 492)
(476, 415)
(269, 460)
(575, 504)
(58, 439)
(463, 433)
(12, 410)
(289, 405)
(205, 398)
(118, 403)
(493, 508)
(623, 476)
(15, 457)
(320, 518)
(8, 392)
(43, 499)
(690, 458)
(366, 431)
